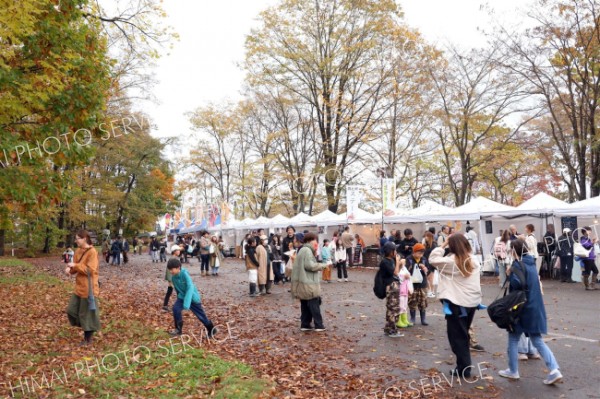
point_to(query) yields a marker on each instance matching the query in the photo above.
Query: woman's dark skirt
(80, 316)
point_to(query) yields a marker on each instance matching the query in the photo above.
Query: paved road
(355, 316)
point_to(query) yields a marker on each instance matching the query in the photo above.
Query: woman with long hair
(501, 252)
(532, 320)
(341, 257)
(81, 311)
(460, 288)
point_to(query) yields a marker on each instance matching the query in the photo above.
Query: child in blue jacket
(188, 298)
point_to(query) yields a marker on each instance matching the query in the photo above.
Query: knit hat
(418, 247)
(388, 248)
(300, 237)
(173, 263)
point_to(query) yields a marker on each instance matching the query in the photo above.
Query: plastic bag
(417, 277)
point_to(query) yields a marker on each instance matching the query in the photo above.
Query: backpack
(379, 286)
(500, 250)
(506, 311)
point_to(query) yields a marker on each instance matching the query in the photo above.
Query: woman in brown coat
(85, 268)
(264, 279)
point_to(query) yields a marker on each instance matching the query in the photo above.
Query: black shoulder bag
(505, 312)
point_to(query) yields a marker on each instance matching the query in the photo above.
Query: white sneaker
(523, 356)
(507, 374)
(346, 280)
(553, 378)
(430, 295)
(339, 280)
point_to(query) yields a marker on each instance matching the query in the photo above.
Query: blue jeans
(536, 340)
(501, 269)
(196, 309)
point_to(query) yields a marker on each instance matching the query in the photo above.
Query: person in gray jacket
(306, 285)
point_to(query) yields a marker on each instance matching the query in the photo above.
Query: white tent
(426, 212)
(477, 208)
(360, 216)
(539, 205)
(279, 221)
(588, 207)
(327, 218)
(303, 220)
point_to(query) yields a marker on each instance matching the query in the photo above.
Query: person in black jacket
(405, 247)
(390, 267)
(116, 249)
(565, 252)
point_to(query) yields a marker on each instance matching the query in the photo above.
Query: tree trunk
(46, 249)
(2, 238)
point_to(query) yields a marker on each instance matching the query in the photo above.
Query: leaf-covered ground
(259, 351)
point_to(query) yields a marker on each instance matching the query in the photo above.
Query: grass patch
(163, 368)
(164, 374)
(15, 271)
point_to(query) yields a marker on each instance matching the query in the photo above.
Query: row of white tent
(487, 217)
(480, 208)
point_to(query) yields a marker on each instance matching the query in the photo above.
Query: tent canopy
(588, 207)
(302, 220)
(540, 204)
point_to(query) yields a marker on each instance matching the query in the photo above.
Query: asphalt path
(422, 358)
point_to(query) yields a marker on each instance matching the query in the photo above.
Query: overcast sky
(202, 67)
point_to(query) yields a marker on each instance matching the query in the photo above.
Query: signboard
(388, 195)
(353, 197)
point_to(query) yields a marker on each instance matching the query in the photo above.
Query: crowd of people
(553, 255)
(440, 266)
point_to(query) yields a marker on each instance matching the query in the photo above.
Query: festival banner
(388, 195)
(353, 198)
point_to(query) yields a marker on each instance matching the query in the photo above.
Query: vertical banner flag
(225, 212)
(353, 197)
(167, 222)
(388, 195)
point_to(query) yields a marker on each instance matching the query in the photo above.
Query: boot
(211, 330)
(593, 282)
(269, 287)
(178, 329)
(87, 338)
(253, 290)
(413, 315)
(408, 323)
(261, 288)
(585, 282)
(423, 321)
(402, 321)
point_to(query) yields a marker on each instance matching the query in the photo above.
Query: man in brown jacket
(347, 239)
